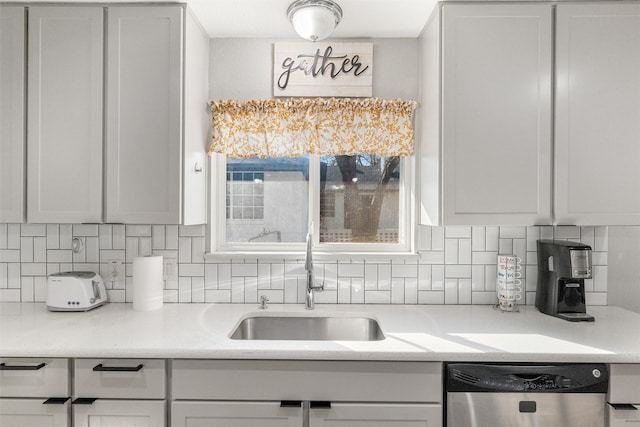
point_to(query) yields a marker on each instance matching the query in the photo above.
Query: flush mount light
(314, 19)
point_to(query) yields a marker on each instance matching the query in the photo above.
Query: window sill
(318, 256)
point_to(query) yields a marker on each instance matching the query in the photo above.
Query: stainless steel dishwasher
(526, 395)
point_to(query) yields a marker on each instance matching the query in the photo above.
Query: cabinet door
(65, 79)
(144, 135)
(33, 413)
(496, 114)
(625, 417)
(12, 176)
(376, 415)
(597, 143)
(120, 413)
(234, 414)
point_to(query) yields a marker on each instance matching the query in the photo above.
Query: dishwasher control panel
(569, 378)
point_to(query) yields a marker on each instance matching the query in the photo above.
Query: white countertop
(421, 333)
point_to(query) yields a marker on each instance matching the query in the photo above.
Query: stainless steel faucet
(309, 303)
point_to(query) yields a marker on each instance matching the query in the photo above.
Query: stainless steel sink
(308, 328)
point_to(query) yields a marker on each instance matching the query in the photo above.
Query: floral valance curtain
(294, 127)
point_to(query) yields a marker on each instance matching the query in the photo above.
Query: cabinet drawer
(120, 378)
(33, 413)
(624, 383)
(624, 417)
(34, 377)
(352, 381)
(120, 413)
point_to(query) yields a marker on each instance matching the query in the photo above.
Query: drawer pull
(100, 368)
(623, 406)
(290, 403)
(55, 400)
(5, 367)
(84, 401)
(320, 404)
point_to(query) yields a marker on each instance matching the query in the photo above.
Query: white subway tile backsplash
(478, 238)
(350, 270)
(218, 296)
(424, 277)
(33, 269)
(85, 230)
(456, 265)
(437, 238)
(105, 234)
(477, 278)
(119, 237)
(492, 239)
(13, 276)
(464, 291)
(3, 236)
(9, 255)
(53, 236)
(397, 291)
(4, 275)
(26, 249)
(410, 290)
(138, 230)
(566, 232)
(184, 249)
(484, 257)
(33, 230)
(424, 238)
(431, 297)
(13, 236)
(457, 271)
(464, 251)
(437, 277)
(513, 232)
(451, 291)
(377, 297)
(451, 251)
(241, 270)
(357, 291)
(601, 239)
(457, 232)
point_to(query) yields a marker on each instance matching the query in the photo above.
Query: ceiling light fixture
(314, 19)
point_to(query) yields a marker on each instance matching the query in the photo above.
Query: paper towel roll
(148, 283)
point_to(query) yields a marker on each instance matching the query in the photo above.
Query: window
(357, 203)
(351, 202)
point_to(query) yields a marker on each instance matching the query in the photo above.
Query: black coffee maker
(562, 268)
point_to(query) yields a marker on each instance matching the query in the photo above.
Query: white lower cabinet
(624, 395)
(119, 413)
(376, 415)
(34, 413)
(234, 414)
(119, 393)
(273, 393)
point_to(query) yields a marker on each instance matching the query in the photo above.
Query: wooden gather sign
(323, 69)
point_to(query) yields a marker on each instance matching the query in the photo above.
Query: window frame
(217, 219)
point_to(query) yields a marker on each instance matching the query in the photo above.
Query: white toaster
(75, 291)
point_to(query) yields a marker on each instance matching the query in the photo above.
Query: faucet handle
(263, 302)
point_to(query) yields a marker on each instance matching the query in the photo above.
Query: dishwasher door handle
(527, 406)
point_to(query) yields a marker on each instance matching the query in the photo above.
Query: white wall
(624, 267)
(242, 68)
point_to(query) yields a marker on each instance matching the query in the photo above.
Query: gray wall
(242, 68)
(624, 267)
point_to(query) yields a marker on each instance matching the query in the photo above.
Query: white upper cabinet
(144, 114)
(12, 144)
(495, 114)
(64, 147)
(597, 138)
